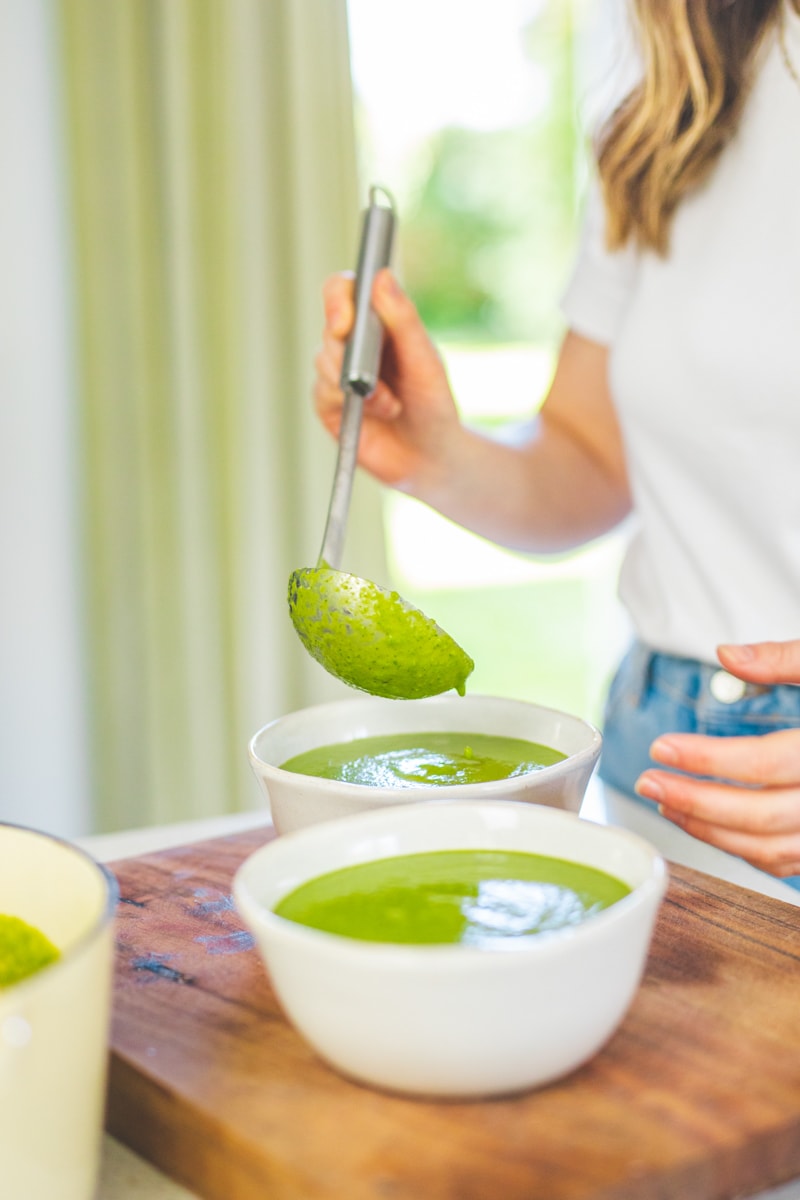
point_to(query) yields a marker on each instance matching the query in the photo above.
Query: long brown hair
(666, 135)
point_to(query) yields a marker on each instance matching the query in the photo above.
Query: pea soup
(433, 759)
(468, 897)
(23, 950)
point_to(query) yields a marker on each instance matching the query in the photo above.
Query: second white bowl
(455, 1020)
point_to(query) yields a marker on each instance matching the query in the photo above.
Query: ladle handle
(362, 356)
(360, 368)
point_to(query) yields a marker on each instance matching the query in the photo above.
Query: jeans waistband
(714, 680)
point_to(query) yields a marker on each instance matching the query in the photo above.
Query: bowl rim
(567, 765)
(397, 956)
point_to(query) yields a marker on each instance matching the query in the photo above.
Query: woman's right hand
(410, 421)
(565, 485)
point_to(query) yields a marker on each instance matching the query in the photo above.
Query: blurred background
(179, 176)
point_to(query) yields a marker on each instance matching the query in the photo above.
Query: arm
(756, 813)
(565, 485)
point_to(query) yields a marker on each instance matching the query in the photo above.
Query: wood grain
(696, 1097)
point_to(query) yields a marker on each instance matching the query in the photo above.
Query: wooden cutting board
(696, 1097)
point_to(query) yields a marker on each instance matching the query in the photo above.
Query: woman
(676, 398)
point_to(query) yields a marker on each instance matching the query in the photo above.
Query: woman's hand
(563, 485)
(410, 422)
(755, 814)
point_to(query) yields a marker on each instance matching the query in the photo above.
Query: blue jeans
(655, 693)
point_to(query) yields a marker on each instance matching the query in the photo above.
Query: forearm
(545, 495)
(566, 485)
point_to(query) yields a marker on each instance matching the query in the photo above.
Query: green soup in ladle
(365, 635)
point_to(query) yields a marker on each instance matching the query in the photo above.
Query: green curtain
(211, 155)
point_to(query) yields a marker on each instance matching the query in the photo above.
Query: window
(472, 120)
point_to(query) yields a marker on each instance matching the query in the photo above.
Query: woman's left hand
(755, 812)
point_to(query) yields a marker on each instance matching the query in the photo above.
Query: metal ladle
(365, 635)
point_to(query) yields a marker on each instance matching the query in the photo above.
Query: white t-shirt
(705, 375)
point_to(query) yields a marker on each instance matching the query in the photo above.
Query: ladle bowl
(373, 639)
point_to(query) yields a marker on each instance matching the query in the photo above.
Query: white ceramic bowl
(455, 1020)
(299, 800)
(54, 1024)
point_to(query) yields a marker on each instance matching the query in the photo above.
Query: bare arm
(564, 486)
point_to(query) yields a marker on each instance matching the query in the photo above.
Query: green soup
(471, 897)
(424, 759)
(23, 950)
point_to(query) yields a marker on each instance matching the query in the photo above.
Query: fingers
(770, 759)
(337, 299)
(760, 811)
(328, 396)
(760, 825)
(777, 854)
(396, 310)
(337, 294)
(763, 662)
(414, 355)
(411, 412)
(410, 358)
(750, 805)
(383, 403)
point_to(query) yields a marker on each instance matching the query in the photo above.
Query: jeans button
(726, 688)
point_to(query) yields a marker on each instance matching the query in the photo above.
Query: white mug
(54, 1024)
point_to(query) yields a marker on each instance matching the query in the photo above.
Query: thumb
(763, 662)
(411, 344)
